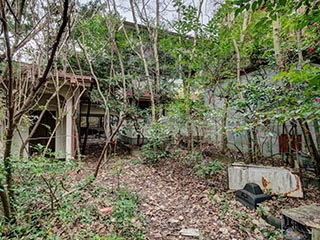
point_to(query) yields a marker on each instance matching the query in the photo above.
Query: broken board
(308, 216)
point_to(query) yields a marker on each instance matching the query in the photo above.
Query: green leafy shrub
(208, 168)
(155, 150)
(125, 220)
(38, 194)
(192, 158)
(51, 204)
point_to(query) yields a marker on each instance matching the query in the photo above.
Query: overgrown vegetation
(245, 80)
(208, 169)
(157, 147)
(49, 204)
(125, 220)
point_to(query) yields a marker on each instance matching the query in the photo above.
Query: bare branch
(42, 79)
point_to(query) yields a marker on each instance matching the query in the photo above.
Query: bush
(125, 220)
(192, 158)
(208, 168)
(155, 150)
(50, 204)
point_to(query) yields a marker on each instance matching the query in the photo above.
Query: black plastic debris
(251, 195)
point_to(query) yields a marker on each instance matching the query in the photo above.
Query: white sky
(167, 11)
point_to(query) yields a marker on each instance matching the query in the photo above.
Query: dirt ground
(174, 198)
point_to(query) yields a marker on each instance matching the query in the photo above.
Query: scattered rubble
(190, 232)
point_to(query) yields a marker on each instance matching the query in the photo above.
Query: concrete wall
(237, 139)
(18, 138)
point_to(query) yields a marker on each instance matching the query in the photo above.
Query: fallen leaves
(174, 199)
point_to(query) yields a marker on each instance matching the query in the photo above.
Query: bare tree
(107, 45)
(14, 39)
(145, 62)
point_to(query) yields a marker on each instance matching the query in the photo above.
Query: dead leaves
(175, 199)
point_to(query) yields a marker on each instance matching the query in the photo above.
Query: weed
(212, 191)
(136, 161)
(49, 205)
(281, 198)
(272, 234)
(208, 168)
(125, 219)
(269, 191)
(224, 208)
(192, 159)
(117, 171)
(242, 215)
(212, 194)
(261, 211)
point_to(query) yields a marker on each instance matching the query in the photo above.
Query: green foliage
(225, 207)
(189, 21)
(36, 196)
(273, 234)
(192, 158)
(208, 169)
(155, 150)
(282, 6)
(125, 220)
(50, 205)
(186, 113)
(261, 211)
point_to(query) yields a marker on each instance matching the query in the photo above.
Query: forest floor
(175, 199)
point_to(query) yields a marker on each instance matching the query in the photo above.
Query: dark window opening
(43, 131)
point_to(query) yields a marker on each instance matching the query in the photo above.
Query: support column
(61, 140)
(69, 129)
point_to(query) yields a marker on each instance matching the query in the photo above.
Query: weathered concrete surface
(306, 215)
(277, 180)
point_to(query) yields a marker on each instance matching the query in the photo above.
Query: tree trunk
(14, 117)
(289, 159)
(315, 157)
(156, 57)
(317, 132)
(238, 56)
(249, 144)
(8, 193)
(191, 137)
(276, 42)
(256, 145)
(246, 20)
(5, 202)
(224, 138)
(104, 153)
(106, 146)
(145, 64)
(84, 144)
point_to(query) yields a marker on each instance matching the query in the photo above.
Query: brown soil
(174, 198)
